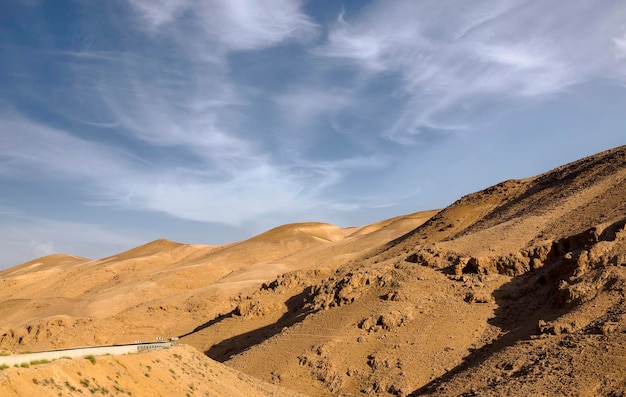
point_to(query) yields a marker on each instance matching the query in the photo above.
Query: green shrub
(3, 367)
(35, 362)
(91, 358)
(70, 386)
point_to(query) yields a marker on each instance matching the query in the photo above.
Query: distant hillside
(163, 288)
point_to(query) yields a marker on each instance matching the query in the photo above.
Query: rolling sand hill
(164, 288)
(518, 289)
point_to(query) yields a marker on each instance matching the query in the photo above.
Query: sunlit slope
(178, 371)
(481, 299)
(515, 213)
(164, 287)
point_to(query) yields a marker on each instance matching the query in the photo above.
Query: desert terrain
(518, 289)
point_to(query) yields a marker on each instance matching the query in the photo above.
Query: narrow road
(79, 352)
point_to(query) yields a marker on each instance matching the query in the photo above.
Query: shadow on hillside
(296, 312)
(522, 302)
(209, 323)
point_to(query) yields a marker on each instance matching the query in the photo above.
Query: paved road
(81, 352)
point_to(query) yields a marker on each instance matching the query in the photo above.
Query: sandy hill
(162, 288)
(179, 371)
(514, 290)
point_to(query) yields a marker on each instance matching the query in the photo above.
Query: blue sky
(210, 121)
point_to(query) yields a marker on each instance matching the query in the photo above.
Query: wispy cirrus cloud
(620, 46)
(228, 25)
(201, 192)
(183, 114)
(248, 112)
(453, 60)
(35, 150)
(177, 91)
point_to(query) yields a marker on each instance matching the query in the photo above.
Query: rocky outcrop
(28, 334)
(590, 248)
(346, 287)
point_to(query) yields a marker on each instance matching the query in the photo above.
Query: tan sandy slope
(179, 371)
(163, 288)
(515, 290)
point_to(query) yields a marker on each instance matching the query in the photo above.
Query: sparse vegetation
(3, 367)
(70, 387)
(91, 358)
(37, 362)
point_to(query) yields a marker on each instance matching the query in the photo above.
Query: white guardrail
(79, 352)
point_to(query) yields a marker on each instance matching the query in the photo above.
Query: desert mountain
(518, 289)
(164, 288)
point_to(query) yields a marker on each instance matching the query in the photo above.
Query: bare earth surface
(515, 290)
(178, 371)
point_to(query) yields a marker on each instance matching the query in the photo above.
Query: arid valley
(518, 289)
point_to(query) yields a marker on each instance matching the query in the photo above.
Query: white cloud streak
(453, 59)
(303, 105)
(402, 70)
(31, 149)
(114, 178)
(177, 95)
(620, 46)
(234, 25)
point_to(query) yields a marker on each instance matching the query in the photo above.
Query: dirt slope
(508, 216)
(515, 290)
(519, 289)
(178, 371)
(162, 288)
